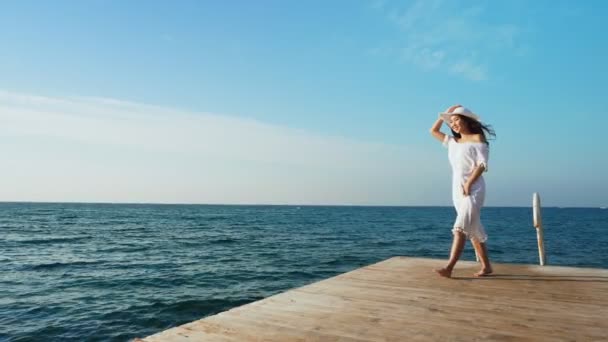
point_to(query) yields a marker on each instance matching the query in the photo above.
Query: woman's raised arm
(435, 130)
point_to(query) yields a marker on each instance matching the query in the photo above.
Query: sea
(114, 272)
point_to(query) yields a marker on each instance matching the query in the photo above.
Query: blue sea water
(109, 272)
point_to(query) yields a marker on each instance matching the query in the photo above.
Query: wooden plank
(401, 299)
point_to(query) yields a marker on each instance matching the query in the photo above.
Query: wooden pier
(401, 299)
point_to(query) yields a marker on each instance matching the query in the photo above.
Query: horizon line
(288, 204)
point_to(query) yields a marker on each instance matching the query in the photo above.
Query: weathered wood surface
(401, 299)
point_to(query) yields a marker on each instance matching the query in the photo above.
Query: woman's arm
(466, 187)
(435, 130)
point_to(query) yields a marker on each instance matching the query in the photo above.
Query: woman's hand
(466, 189)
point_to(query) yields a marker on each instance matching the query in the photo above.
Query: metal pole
(538, 224)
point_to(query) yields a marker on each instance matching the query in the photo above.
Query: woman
(468, 155)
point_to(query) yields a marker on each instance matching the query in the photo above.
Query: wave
(61, 239)
(216, 218)
(300, 275)
(207, 306)
(199, 241)
(222, 241)
(384, 243)
(130, 248)
(174, 310)
(343, 260)
(58, 265)
(67, 217)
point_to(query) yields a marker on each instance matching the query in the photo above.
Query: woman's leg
(457, 247)
(482, 251)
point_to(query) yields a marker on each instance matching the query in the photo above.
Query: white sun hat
(460, 111)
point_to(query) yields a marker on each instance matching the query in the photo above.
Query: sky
(299, 102)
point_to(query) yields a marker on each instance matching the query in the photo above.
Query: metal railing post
(538, 224)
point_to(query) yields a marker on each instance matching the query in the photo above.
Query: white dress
(464, 158)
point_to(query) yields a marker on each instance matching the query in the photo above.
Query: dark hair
(476, 127)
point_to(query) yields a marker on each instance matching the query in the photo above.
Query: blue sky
(299, 102)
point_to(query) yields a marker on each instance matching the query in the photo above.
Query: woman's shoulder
(475, 138)
(478, 138)
(448, 140)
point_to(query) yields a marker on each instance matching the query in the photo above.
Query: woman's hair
(476, 127)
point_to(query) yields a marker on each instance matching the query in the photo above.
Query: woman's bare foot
(444, 272)
(484, 272)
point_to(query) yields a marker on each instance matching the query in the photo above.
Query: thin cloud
(425, 58)
(378, 4)
(95, 149)
(469, 71)
(442, 36)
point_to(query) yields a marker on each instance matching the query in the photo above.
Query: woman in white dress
(468, 155)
